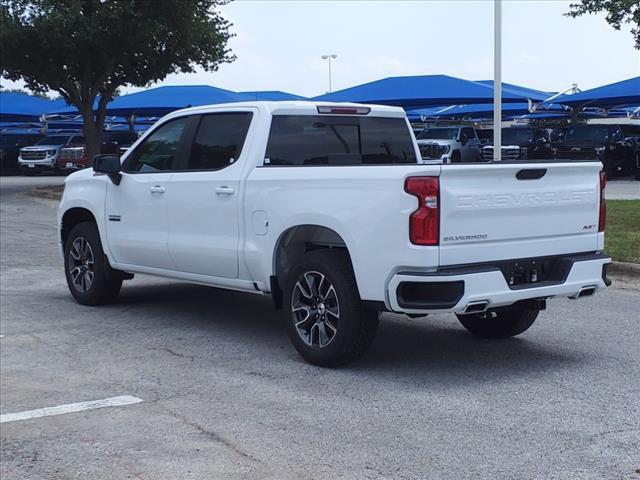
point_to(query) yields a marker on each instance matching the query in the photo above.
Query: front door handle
(224, 190)
(157, 189)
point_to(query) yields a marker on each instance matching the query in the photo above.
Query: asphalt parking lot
(225, 396)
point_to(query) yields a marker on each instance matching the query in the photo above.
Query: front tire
(500, 324)
(327, 322)
(90, 278)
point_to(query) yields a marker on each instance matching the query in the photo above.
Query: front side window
(219, 140)
(469, 133)
(157, 152)
(297, 140)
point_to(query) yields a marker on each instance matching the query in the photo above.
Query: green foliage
(618, 13)
(622, 235)
(86, 49)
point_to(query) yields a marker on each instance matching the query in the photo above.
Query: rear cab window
(338, 140)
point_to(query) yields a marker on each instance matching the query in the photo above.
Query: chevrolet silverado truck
(453, 144)
(330, 210)
(616, 146)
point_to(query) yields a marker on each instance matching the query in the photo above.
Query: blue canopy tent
(20, 107)
(481, 111)
(519, 90)
(626, 92)
(162, 100)
(425, 91)
(273, 95)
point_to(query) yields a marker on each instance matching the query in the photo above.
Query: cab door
(137, 221)
(204, 196)
(471, 145)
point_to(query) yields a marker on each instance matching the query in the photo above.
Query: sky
(278, 45)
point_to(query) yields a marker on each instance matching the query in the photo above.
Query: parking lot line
(70, 408)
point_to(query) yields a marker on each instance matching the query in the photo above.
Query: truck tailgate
(517, 210)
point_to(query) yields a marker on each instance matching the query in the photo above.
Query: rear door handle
(157, 189)
(224, 190)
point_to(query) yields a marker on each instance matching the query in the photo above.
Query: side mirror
(108, 164)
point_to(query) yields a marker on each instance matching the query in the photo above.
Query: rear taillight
(424, 223)
(602, 220)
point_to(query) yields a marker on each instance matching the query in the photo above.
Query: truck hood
(40, 148)
(582, 143)
(429, 141)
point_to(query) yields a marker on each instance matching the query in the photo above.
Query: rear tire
(326, 320)
(500, 324)
(90, 278)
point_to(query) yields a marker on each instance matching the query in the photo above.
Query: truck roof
(292, 107)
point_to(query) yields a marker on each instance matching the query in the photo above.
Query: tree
(618, 12)
(86, 49)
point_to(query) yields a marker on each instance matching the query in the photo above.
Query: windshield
(517, 135)
(439, 134)
(53, 140)
(587, 132)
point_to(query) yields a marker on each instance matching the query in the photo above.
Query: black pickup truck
(616, 146)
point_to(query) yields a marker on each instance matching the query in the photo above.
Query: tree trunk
(91, 133)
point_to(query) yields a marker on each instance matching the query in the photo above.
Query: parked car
(10, 145)
(450, 144)
(618, 152)
(43, 156)
(632, 136)
(521, 143)
(74, 157)
(329, 210)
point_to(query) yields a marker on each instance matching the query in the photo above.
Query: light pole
(497, 80)
(329, 57)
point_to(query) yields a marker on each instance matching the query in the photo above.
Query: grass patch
(622, 235)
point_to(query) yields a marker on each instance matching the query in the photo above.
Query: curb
(625, 268)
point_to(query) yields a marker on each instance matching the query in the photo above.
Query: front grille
(577, 153)
(432, 150)
(71, 154)
(508, 153)
(33, 155)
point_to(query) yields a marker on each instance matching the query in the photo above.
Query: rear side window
(157, 152)
(299, 140)
(219, 140)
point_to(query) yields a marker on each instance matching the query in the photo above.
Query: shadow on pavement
(425, 348)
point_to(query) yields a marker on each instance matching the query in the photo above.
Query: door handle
(224, 190)
(157, 189)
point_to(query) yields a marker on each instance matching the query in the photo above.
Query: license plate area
(69, 165)
(535, 272)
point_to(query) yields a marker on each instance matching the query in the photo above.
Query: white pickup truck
(331, 211)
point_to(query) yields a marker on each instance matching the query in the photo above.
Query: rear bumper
(484, 286)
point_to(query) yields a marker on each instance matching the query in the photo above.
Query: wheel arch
(72, 217)
(291, 246)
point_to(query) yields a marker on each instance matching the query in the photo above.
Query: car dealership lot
(224, 395)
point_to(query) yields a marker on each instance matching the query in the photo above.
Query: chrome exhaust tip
(477, 307)
(584, 292)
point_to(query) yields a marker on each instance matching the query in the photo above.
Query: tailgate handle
(531, 174)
